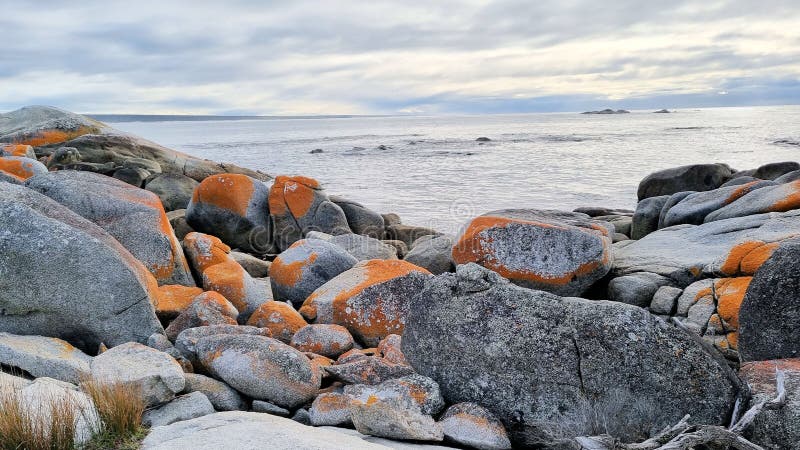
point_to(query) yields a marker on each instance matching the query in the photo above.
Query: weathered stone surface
(187, 339)
(65, 277)
(133, 216)
(174, 190)
(306, 265)
(19, 150)
(788, 177)
(687, 253)
(135, 176)
(221, 396)
(370, 300)
(157, 374)
(249, 431)
(323, 339)
(42, 396)
(770, 171)
(270, 408)
(434, 253)
(407, 234)
(399, 246)
(390, 349)
(695, 207)
(63, 156)
(780, 198)
(256, 267)
(281, 319)
(260, 367)
(331, 408)
(697, 177)
(554, 251)
(414, 389)
(361, 247)
(471, 425)
(665, 300)
(173, 299)
(393, 416)
(465, 335)
(769, 318)
(646, 217)
(361, 220)
(177, 219)
(185, 407)
(42, 125)
(234, 208)
(21, 167)
(44, 357)
(774, 428)
(208, 308)
(637, 288)
(299, 205)
(368, 370)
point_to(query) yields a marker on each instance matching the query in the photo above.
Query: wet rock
(44, 357)
(368, 370)
(256, 267)
(330, 409)
(646, 217)
(326, 340)
(174, 190)
(390, 219)
(186, 342)
(370, 300)
(770, 313)
(21, 167)
(637, 288)
(173, 299)
(260, 367)
(361, 220)
(594, 211)
(550, 250)
(208, 308)
(299, 205)
(221, 396)
(133, 216)
(279, 318)
(482, 139)
(434, 253)
(774, 428)
(306, 265)
(471, 425)
(185, 407)
(157, 374)
(465, 336)
(697, 177)
(400, 247)
(65, 277)
(234, 208)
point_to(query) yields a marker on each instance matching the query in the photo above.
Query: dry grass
(47, 426)
(119, 409)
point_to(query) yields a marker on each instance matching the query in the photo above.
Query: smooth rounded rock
(697, 177)
(326, 340)
(174, 190)
(471, 425)
(281, 319)
(208, 308)
(221, 396)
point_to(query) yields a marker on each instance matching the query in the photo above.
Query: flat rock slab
(44, 357)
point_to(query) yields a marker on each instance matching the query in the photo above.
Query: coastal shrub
(119, 410)
(47, 426)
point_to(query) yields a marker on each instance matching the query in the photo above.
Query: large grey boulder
(556, 251)
(361, 247)
(174, 190)
(44, 357)
(769, 171)
(694, 208)
(574, 355)
(474, 426)
(185, 407)
(362, 220)
(770, 198)
(221, 396)
(637, 288)
(646, 217)
(133, 216)
(433, 253)
(724, 248)
(769, 318)
(63, 276)
(697, 177)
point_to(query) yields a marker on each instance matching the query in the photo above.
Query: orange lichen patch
(745, 258)
(760, 375)
(733, 340)
(18, 168)
(730, 293)
(48, 137)
(714, 322)
(279, 318)
(331, 403)
(740, 191)
(17, 149)
(207, 250)
(289, 274)
(293, 194)
(791, 200)
(227, 278)
(11, 175)
(173, 299)
(372, 399)
(228, 191)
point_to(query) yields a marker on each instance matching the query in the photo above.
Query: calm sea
(433, 172)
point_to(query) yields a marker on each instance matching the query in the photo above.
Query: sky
(302, 57)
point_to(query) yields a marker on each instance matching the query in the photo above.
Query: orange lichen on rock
(760, 375)
(279, 318)
(791, 200)
(228, 191)
(48, 137)
(17, 167)
(730, 294)
(17, 149)
(745, 258)
(293, 194)
(289, 274)
(173, 299)
(228, 279)
(740, 191)
(206, 250)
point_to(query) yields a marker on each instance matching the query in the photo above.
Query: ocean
(433, 172)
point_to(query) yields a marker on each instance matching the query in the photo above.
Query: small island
(662, 111)
(608, 111)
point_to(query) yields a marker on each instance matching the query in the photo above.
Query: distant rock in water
(315, 151)
(786, 142)
(608, 111)
(483, 139)
(662, 111)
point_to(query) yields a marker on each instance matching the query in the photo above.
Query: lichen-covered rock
(696, 207)
(133, 216)
(637, 288)
(18, 150)
(434, 253)
(728, 248)
(185, 407)
(279, 318)
(774, 428)
(466, 335)
(361, 220)
(323, 339)
(407, 234)
(44, 357)
(208, 308)
(21, 167)
(135, 176)
(371, 300)
(221, 396)
(554, 251)
(472, 425)
(412, 389)
(260, 367)
(63, 276)
(234, 208)
(173, 299)
(393, 416)
(780, 198)
(186, 341)
(174, 190)
(390, 349)
(330, 409)
(256, 267)
(157, 374)
(361, 247)
(306, 265)
(368, 370)
(697, 177)
(299, 205)
(647, 215)
(665, 300)
(769, 318)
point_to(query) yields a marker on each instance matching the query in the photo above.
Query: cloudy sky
(379, 57)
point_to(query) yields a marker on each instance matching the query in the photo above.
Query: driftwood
(683, 436)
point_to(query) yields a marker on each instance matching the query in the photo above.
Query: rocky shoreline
(247, 308)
